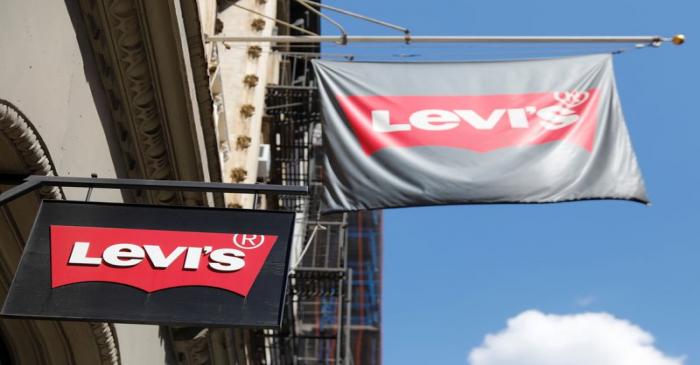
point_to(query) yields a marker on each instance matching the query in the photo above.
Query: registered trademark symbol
(248, 241)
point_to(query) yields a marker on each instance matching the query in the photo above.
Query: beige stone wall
(43, 74)
(234, 65)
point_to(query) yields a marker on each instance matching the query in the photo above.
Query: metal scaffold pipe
(677, 39)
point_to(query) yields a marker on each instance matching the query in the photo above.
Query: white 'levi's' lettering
(128, 255)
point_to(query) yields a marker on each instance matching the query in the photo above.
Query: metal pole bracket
(34, 182)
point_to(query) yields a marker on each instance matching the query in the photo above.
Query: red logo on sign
(153, 260)
(478, 123)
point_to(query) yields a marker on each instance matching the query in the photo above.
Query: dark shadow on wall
(166, 339)
(102, 102)
(5, 357)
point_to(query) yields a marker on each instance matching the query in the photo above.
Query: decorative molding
(238, 174)
(17, 129)
(243, 142)
(113, 28)
(201, 75)
(251, 80)
(254, 52)
(127, 52)
(247, 110)
(106, 337)
(258, 24)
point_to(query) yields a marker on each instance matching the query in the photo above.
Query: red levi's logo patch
(479, 123)
(153, 260)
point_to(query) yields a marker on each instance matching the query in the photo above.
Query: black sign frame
(31, 295)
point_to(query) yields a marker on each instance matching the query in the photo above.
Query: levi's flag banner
(153, 264)
(535, 131)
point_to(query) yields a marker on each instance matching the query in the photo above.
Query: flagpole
(654, 40)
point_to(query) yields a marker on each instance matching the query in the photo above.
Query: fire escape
(333, 299)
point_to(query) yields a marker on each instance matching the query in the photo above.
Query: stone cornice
(138, 51)
(200, 70)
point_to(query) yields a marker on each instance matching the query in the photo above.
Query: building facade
(133, 89)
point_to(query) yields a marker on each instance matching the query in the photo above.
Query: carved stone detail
(254, 52)
(114, 29)
(238, 174)
(243, 142)
(15, 127)
(251, 80)
(106, 338)
(258, 24)
(247, 110)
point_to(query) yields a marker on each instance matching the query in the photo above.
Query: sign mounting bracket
(34, 182)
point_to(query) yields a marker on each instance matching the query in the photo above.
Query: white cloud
(535, 338)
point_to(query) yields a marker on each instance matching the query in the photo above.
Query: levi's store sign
(153, 260)
(163, 265)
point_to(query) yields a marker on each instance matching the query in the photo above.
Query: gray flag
(535, 131)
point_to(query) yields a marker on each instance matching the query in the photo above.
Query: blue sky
(454, 274)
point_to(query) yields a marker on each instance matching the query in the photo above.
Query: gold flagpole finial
(678, 39)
